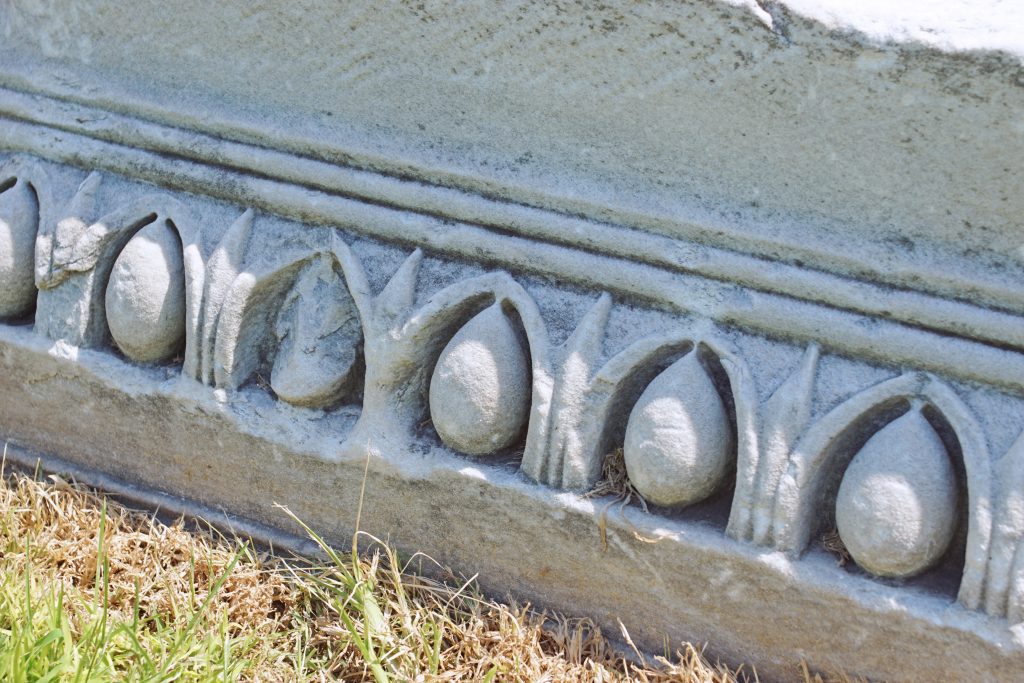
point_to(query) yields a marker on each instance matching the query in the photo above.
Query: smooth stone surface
(480, 389)
(679, 443)
(145, 299)
(897, 504)
(319, 337)
(19, 221)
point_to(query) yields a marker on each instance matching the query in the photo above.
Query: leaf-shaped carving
(679, 443)
(398, 295)
(145, 295)
(54, 248)
(480, 389)
(404, 344)
(247, 325)
(897, 505)
(319, 339)
(74, 261)
(19, 223)
(823, 453)
(1004, 594)
(784, 418)
(221, 270)
(563, 458)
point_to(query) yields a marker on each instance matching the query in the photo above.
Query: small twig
(615, 482)
(833, 543)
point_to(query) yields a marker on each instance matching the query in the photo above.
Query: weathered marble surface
(774, 260)
(793, 140)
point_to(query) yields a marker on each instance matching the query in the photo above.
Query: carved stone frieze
(702, 319)
(901, 465)
(770, 438)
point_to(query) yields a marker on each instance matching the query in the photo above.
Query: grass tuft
(93, 591)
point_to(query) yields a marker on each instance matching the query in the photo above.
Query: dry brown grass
(281, 619)
(833, 543)
(615, 482)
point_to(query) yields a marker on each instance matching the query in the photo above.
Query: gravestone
(454, 265)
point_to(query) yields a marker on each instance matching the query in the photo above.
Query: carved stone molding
(322, 326)
(235, 316)
(929, 326)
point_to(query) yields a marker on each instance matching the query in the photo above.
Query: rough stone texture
(318, 340)
(819, 205)
(480, 389)
(679, 442)
(660, 113)
(145, 295)
(897, 505)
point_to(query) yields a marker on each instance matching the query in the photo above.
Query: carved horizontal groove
(97, 107)
(777, 315)
(916, 308)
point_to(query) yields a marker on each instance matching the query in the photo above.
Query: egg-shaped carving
(145, 297)
(679, 442)
(897, 505)
(19, 222)
(319, 340)
(481, 387)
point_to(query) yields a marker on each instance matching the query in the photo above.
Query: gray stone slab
(772, 252)
(537, 543)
